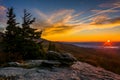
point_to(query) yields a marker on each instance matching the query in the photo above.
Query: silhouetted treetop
(11, 23)
(28, 32)
(27, 19)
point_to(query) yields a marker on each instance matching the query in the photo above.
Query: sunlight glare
(108, 41)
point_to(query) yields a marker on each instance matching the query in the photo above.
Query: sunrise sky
(69, 20)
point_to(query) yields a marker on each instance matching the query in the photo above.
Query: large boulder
(52, 55)
(63, 58)
(67, 57)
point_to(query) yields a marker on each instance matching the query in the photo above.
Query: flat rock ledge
(78, 71)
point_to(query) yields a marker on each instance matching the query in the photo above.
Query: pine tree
(31, 50)
(12, 31)
(28, 32)
(12, 37)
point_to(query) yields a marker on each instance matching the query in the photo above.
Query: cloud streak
(99, 22)
(108, 11)
(85, 19)
(113, 3)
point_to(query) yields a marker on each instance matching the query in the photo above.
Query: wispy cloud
(98, 22)
(113, 3)
(97, 12)
(112, 7)
(61, 16)
(105, 20)
(117, 4)
(58, 22)
(99, 19)
(67, 22)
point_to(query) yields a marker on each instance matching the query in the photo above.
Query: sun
(108, 43)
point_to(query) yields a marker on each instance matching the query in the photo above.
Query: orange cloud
(99, 19)
(69, 32)
(57, 22)
(105, 20)
(57, 29)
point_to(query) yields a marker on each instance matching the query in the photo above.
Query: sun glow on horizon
(108, 43)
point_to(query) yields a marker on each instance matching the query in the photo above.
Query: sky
(69, 20)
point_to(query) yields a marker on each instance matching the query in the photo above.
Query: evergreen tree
(31, 50)
(12, 31)
(12, 37)
(28, 32)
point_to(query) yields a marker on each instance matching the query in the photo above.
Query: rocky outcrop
(51, 70)
(63, 58)
(78, 71)
(55, 59)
